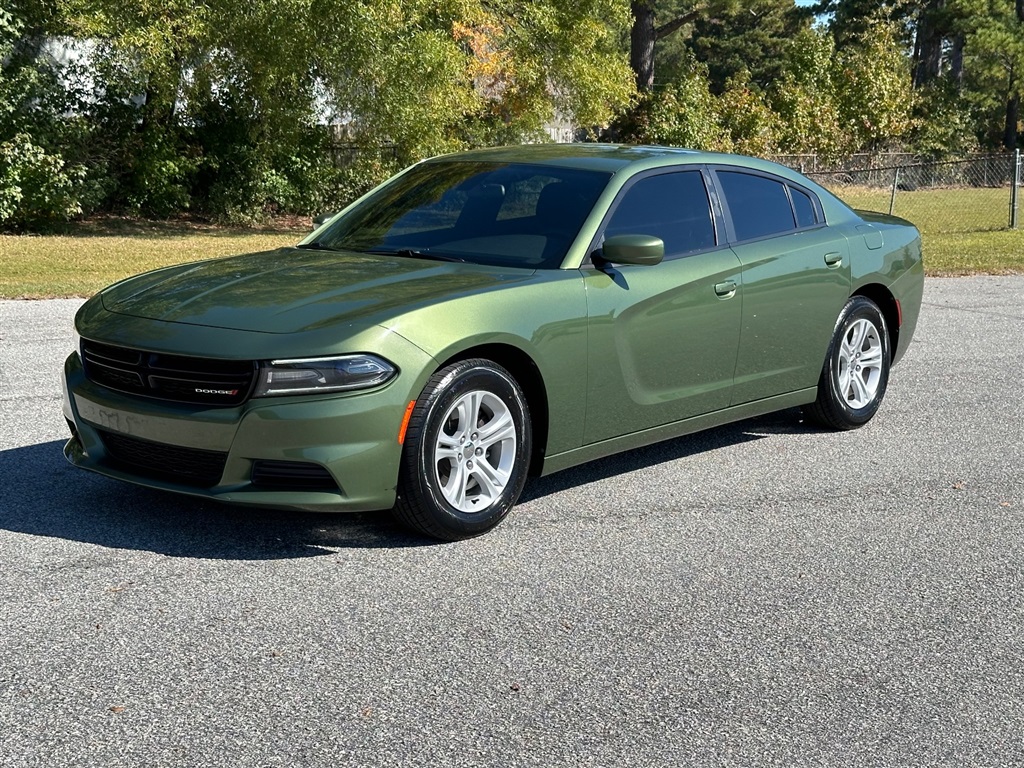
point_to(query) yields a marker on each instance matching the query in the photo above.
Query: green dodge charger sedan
(489, 315)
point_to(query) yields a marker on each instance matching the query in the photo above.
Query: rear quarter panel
(897, 265)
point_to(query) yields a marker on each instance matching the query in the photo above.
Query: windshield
(504, 214)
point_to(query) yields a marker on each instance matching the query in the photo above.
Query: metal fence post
(895, 183)
(1014, 187)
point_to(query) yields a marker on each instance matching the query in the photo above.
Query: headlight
(76, 340)
(315, 375)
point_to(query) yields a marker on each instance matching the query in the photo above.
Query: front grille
(196, 380)
(187, 466)
(292, 476)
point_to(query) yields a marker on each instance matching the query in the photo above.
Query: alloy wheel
(475, 450)
(859, 363)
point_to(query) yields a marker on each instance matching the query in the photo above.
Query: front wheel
(856, 370)
(466, 454)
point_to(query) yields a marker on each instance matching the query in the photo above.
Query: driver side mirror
(633, 249)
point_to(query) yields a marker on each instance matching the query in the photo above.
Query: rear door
(662, 339)
(795, 280)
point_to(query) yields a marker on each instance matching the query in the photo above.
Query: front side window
(672, 206)
(759, 206)
(503, 214)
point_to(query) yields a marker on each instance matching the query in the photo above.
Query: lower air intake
(159, 461)
(292, 476)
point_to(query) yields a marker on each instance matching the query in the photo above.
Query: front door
(662, 339)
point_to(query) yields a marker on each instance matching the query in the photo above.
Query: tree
(37, 183)
(752, 125)
(873, 87)
(683, 114)
(654, 21)
(201, 105)
(753, 39)
(994, 31)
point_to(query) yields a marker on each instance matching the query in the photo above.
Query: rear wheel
(856, 371)
(466, 454)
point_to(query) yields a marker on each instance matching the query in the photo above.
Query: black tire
(426, 484)
(843, 403)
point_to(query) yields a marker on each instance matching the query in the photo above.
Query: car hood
(291, 289)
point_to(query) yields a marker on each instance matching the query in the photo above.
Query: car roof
(605, 157)
(629, 159)
(598, 157)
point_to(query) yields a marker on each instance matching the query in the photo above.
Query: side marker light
(405, 421)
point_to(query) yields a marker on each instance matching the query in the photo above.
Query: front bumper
(353, 436)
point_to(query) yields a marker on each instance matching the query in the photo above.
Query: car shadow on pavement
(43, 495)
(780, 423)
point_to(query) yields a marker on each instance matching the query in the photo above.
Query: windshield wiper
(316, 245)
(412, 253)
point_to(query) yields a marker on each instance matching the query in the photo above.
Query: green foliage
(781, 84)
(994, 60)
(202, 107)
(806, 99)
(753, 127)
(873, 89)
(944, 123)
(36, 187)
(684, 114)
(749, 40)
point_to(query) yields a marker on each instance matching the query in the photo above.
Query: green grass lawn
(90, 257)
(936, 211)
(963, 231)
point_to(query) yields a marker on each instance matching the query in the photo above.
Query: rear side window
(804, 208)
(759, 206)
(672, 206)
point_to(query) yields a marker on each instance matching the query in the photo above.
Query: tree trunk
(1012, 118)
(641, 44)
(956, 62)
(928, 47)
(928, 44)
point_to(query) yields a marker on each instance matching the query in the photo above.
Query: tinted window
(672, 206)
(759, 206)
(804, 208)
(507, 214)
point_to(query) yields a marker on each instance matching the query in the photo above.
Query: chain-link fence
(975, 194)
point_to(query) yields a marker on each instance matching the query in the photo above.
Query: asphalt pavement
(758, 595)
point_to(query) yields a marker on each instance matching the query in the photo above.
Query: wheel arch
(528, 376)
(886, 302)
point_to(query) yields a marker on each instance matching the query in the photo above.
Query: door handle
(833, 260)
(726, 290)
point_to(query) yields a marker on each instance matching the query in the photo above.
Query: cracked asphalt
(761, 594)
